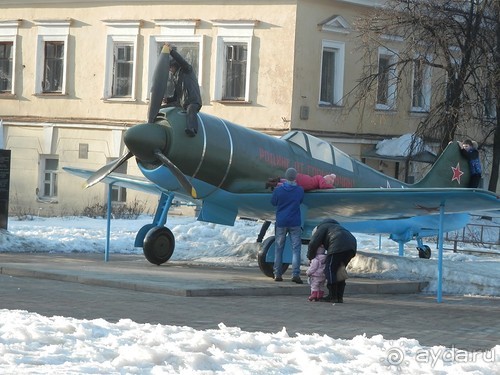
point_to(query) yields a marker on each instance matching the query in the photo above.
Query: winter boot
(340, 292)
(313, 297)
(320, 295)
(332, 293)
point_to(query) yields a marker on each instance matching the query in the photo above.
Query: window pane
(6, 50)
(53, 67)
(297, 138)
(118, 193)
(328, 76)
(54, 184)
(114, 193)
(123, 70)
(46, 189)
(383, 80)
(236, 65)
(320, 150)
(51, 164)
(418, 78)
(190, 51)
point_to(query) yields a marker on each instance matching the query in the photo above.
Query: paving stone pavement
(83, 286)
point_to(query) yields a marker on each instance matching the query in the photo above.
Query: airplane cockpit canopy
(319, 149)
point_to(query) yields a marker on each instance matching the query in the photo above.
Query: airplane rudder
(451, 169)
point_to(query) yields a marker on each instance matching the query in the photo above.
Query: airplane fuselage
(240, 160)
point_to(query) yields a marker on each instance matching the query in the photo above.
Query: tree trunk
(495, 165)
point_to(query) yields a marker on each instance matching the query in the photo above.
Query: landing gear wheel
(159, 245)
(267, 267)
(424, 252)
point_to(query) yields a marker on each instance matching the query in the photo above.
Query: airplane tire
(424, 252)
(267, 267)
(159, 245)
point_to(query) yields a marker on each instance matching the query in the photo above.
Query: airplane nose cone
(143, 139)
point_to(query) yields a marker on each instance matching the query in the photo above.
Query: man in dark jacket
(340, 247)
(186, 91)
(287, 199)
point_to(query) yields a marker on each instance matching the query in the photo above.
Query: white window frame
(53, 179)
(174, 31)
(391, 79)
(8, 33)
(338, 78)
(426, 88)
(120, 32)
(51, 31)
(240, 32)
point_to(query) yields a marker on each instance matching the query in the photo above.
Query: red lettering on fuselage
(273, 160)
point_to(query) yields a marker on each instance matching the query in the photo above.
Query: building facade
(74, 75)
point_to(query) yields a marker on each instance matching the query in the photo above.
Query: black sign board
(4, 187)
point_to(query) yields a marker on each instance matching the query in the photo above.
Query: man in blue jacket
(287, 199)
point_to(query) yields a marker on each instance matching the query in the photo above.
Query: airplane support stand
(440, 256)
(108, 223)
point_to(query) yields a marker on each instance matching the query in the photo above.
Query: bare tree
(459, 40)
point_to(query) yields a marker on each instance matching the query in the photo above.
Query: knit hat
(291, 174)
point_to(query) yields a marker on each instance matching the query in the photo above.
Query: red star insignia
(457, 173)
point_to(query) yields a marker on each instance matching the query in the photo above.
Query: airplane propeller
(102, 172)
(144, 150)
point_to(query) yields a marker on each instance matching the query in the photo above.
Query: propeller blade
(102, 172)
(160, 80)
(177, 173)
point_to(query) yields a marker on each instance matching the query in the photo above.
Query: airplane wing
(119, 179)
(130, 182)
(380, 204)
(342, 204)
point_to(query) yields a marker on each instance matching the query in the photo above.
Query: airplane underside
(158, 241)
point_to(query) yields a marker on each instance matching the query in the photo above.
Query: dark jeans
(475, 179)
(332, 264)
(192, 117)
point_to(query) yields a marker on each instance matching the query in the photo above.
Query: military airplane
(223, 169)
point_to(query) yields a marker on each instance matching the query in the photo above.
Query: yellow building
(75, 74)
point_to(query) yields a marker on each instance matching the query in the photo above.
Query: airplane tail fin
(450, 170)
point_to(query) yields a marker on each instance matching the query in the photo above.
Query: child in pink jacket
(307, 182)
(316, 274)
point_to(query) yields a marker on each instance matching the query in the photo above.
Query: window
(234, 50)
(421, 93)
(190, 51)
(332, 74)
(49, 166)
(83, 150)
(8, 35)
(121, 56)
(118, 193)
(6, 51)
(51, 57)
(180, 33)
(123, 67)
(342, 160)
(235, 69)
(387, 79)
(53, 67)
(320, 149)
